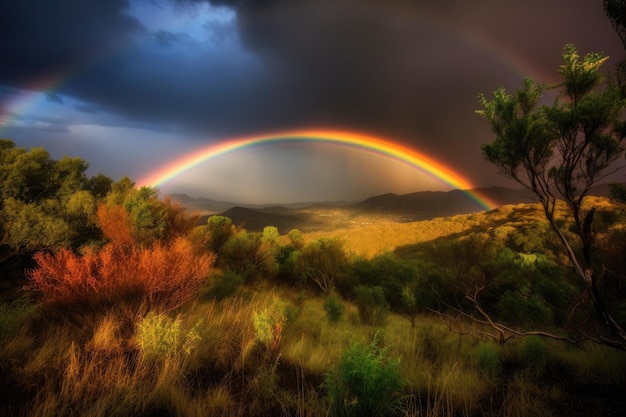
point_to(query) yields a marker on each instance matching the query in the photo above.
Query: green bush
(334, 307)
(268, 323)
(159, 336)
(533, 353)
(373, 307)
(366, 382)
(225, 286)
(488, 359)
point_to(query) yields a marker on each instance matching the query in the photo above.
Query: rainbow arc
(372, 144)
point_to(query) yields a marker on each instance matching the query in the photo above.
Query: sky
(132, 86)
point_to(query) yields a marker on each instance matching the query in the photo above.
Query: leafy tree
(249, 255)
(219, 229)
(373, 307)
(559, 152)
(616, 12)
(388, 271)
(322, 261)
(296, 238)
(334, 307)
(44, 203)
(138, 216)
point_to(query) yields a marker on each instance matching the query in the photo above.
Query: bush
(373, 307)
(269, 323)
(159, 336)
(387, 271)
(334, 307)
(164, 275)
(533, 353)
(365, 383)
(250, 255)
(488, 359)
(225, 286)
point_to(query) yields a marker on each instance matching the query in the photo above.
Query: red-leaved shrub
(164, 275)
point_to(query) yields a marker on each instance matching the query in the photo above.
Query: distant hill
(430, 204)
(385, 208)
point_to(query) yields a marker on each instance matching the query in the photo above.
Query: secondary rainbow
(376, 145)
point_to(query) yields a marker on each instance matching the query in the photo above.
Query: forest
(118, 302)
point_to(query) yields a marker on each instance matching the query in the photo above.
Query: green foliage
(334, 307)
(373, 307)
(533, 353)
(159, 336)
(366, 382)
(250, 255)
(269, 323)
(224, 286)
(218, 229)
(322, 261)
(44, 203)
(387, 271)
(487, 356)
(296, 238)
(559, 152)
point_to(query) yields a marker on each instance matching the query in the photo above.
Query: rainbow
(368, 143)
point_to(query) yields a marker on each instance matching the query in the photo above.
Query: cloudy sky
(132, 85)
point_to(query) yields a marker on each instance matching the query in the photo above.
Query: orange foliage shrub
(164, 275)
(115, 225)
(173, 221)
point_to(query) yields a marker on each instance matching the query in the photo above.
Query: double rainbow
(375, 145)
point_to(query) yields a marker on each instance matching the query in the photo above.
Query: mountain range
(385, 208)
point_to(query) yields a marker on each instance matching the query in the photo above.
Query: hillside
(382, 209)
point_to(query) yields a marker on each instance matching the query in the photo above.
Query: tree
(559, 152)
(219, 229)
(44, 203)
(322, 261)
(616, 12)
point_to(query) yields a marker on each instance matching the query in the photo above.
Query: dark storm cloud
(409, 69)
(41, 36)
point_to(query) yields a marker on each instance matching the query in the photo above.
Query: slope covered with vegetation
(149, 315)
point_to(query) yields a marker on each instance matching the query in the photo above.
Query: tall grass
(206, 360)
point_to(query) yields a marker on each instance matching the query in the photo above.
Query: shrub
(334, 307)
(164, 275)
(488, 359)
(373, 307)
(323, 261)
(533, 352)
(249, 255)
(225, 286)
(269, 323)
(366, 382)
(159, 336)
